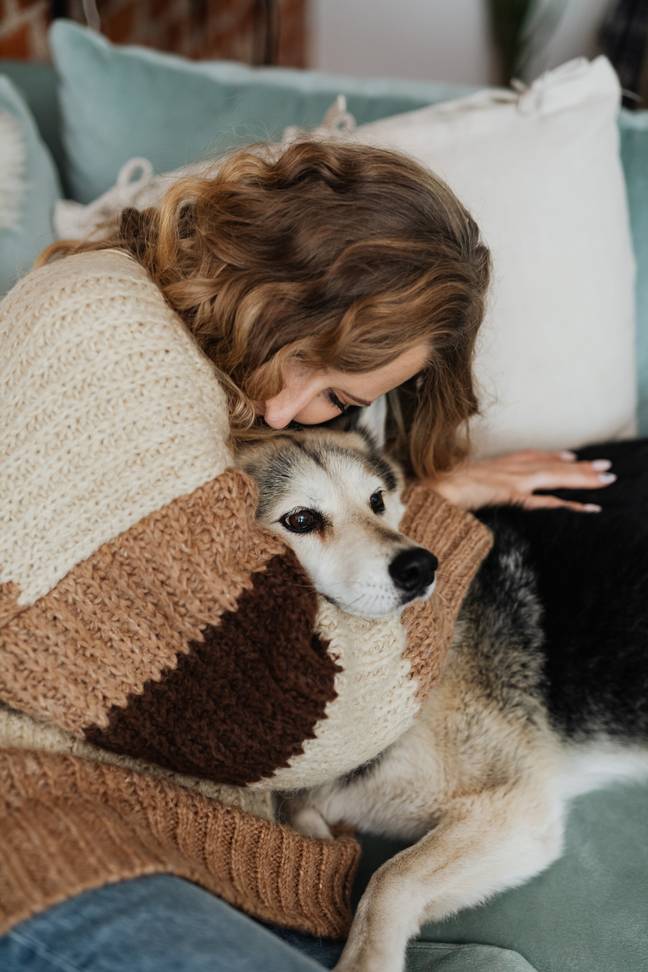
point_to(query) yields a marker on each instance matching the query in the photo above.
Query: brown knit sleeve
(460, 542)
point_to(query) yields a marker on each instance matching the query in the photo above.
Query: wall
(434, 40)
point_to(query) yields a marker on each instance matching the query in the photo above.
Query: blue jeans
(157, 923)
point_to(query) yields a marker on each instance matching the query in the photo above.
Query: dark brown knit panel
(242, 702)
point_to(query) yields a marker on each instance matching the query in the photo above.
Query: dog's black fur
(571, 589)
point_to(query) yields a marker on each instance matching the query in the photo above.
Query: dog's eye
(301, 521)
(376, 502)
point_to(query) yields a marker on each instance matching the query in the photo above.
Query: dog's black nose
(413, 570)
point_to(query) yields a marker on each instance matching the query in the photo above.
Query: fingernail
(600, 464)
(607, 478)
(592, 508)
(567, 454)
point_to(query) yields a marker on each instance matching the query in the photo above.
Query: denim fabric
(157, 923)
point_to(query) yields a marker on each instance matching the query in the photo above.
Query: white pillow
(540, 171)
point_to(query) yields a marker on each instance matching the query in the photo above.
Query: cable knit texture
(164, 661)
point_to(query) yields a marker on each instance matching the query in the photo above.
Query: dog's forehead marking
(337, 479)
(277, 471)
(335, 455)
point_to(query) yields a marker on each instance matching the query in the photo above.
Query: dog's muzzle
(412, 571)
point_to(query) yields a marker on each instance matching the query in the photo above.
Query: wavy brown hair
(335, 253)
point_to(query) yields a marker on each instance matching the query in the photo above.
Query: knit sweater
(164, 661)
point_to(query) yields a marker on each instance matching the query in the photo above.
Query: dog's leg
(295, 810)
(310, 822)
(483, 843)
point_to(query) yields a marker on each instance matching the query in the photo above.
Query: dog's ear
(373, 418)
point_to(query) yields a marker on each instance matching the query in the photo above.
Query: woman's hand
(512, 478)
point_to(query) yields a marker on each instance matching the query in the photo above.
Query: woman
(277, 290)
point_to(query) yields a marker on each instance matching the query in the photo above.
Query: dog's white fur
(483, 791)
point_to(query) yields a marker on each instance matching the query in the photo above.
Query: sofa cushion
(29, 187)
(37, 83)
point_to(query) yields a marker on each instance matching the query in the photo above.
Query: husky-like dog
(544, 694)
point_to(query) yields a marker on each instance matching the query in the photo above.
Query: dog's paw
(310, 822)
(362, 956)
(366, 963)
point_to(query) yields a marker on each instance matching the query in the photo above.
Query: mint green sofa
(101, 105)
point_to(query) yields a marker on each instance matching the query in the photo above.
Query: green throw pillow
(29, 188)
(120, 102)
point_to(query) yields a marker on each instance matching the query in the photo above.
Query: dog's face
(335, 500)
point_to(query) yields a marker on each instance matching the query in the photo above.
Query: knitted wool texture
(164, 660)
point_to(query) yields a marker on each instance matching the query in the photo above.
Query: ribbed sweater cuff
(96, 824)
(460, 542)
(456, 537)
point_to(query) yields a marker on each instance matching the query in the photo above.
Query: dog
(543, 695)
(335, 500)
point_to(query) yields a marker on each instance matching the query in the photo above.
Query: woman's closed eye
(334, 400)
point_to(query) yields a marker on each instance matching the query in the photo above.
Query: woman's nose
(279, 410)
(306, 406)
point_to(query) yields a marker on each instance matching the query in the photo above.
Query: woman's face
(307, 395)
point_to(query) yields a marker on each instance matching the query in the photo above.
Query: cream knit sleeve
(142, 608)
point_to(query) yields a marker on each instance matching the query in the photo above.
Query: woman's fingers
(572, 475)
(514, 477)
(553, 502)
(538, 455)
(532, 469)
